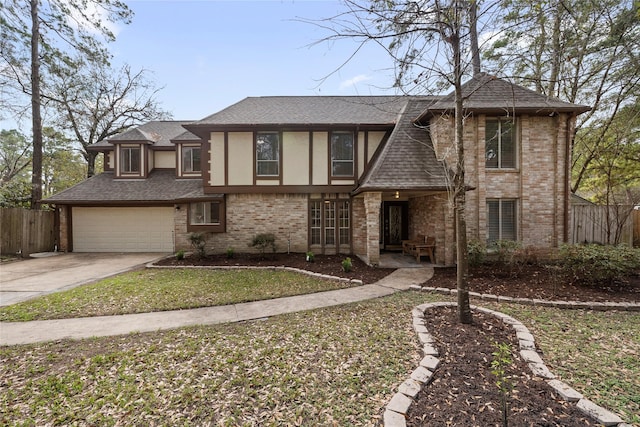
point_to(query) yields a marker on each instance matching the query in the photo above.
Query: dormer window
(191, 164)
(130, 160)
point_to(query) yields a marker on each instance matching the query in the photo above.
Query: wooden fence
(603, 224)
(24, 231)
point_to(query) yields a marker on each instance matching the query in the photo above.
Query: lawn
(333, 366)
(167, 289)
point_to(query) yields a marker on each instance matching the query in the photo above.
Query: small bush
(264, 241)
(310, 256)
(477, 252)
(230, 253)
(596, 264)
(198, 242)
(347, 265)
(506, 251)
(180, 255)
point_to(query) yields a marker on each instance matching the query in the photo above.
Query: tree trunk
(91, 163)
(473, 35)
(462, 285)
(36, 174)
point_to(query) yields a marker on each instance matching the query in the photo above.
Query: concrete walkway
(12, 333)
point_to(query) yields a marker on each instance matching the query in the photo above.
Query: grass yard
(167, 289)
(333, 366)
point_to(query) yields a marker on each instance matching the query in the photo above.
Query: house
(332, 174)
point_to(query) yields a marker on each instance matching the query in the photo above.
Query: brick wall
(433, 216)
(359, 226)
(538, 184)
(284, 215)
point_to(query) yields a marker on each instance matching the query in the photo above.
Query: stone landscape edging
(397, 408)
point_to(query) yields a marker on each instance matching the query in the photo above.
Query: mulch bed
(464, 391)
(537, 282)
(330, 265)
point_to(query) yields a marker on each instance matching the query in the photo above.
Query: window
(191, 160)
(342, 154)
(130, 160)
(501, 220)
(204, 213)
(268, 154)
(329, 222)
(500, 146)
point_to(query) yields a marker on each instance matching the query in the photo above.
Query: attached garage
(123, 229)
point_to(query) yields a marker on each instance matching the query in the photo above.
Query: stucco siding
(165, 159)
(320, 158)
(217, 158)
(295, 158)
(240, 158)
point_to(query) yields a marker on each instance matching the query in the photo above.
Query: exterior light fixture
(397, 195)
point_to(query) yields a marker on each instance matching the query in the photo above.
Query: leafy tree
(35, 33)
(429, 41)
(15, 155)
(15, 167)
(62, 165)
(583, 52)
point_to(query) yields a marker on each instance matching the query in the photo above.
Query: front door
(396, 224)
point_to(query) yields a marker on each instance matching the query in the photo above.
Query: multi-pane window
(342, 154)
(501, 220)
(204, 213)
(268, 154)
(500, 144)
(191, 160)
(330, 222)
(316, 222)
(130, 159)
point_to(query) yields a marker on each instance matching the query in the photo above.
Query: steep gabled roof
(490, 95)
(407, 161)
(157, 133)
(305, 111)
(161, 186)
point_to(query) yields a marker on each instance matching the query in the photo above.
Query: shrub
(198, 242)
(230, 252)
(347, 265)
(505, 251)
(596, 264)
(264, 241)
(477, 252)
(180, 255)
(310, 256)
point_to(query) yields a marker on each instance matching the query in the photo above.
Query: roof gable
(407, 161)
(490, 94)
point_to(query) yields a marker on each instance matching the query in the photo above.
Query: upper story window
(191, 160)
(500, 144)
(268, 154)
(342, 154)
(130, 159)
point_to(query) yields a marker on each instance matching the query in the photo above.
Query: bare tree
(93, 102)
(431, 42)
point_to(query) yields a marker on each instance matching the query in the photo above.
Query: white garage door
(147, 229)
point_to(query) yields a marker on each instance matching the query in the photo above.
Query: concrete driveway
(32, 277)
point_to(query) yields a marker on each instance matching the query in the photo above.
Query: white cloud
(354, 81)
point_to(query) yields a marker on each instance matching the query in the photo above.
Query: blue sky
(211, 54)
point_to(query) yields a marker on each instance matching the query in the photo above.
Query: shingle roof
(159, 133)
(160, 186)
(307, 110)
(491, 94)
(407, 161)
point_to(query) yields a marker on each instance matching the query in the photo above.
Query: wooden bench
(422, 246)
